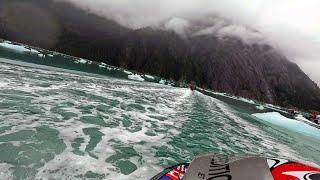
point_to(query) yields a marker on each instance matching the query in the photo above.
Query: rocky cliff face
(222, 64)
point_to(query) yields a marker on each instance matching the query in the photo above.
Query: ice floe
(17, 48)
(148, 76)
(277, 119)
(135, 77)
(162, 81)
(260, 107)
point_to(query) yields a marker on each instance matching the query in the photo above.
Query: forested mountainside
(225, 64)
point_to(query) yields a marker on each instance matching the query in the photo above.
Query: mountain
(225, 64)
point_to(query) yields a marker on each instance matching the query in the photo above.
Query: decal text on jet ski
(217, 170)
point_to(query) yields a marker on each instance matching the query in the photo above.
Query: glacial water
(62, 124)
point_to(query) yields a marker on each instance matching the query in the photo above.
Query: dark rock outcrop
(222, 64)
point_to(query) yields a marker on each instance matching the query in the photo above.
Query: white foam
(104, 149)
(252, 130)
(167, 102)
(3, 84)
(5, 172)
(76, 165)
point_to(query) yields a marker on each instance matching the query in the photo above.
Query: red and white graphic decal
(286, 170)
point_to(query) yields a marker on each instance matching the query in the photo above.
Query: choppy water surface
(61, 125)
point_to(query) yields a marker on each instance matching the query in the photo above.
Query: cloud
(289, 25)
(178, 25)
(222, 28)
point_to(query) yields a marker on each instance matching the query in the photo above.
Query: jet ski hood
(217, 167)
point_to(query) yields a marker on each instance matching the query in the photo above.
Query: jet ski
(218, 167)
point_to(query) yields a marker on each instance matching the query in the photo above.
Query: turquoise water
(67, 125)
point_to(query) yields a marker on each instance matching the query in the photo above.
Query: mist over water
(74, 126)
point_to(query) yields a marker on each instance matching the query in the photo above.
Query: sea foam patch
(100, 120)
(248, 132)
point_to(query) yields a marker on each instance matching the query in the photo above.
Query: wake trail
(75, 126)
(247, 135)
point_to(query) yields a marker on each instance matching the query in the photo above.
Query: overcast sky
(293, 26)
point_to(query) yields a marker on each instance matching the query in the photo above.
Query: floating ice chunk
(135, 77)
(50, 55)
(148, 76)
(303, 119)
(219, 93)
(83, 61)
(41, 55)
(300, 117)
(277, 119)
(34, 51)
(17, 48)
(162, 81)
(171, 84)
(260, 107)
(246, 100)
(273, 106)
(127, 72)
(102, 65)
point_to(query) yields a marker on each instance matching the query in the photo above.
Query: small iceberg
(277, 119)
(102, 65)
(127, 72)
(17, 48)
(135, 77)
(83, 61)
(303, 119)
(41, 55)
(260, 107)
(34, 51)
(246, 100)
(162, 81)
(148, 76)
